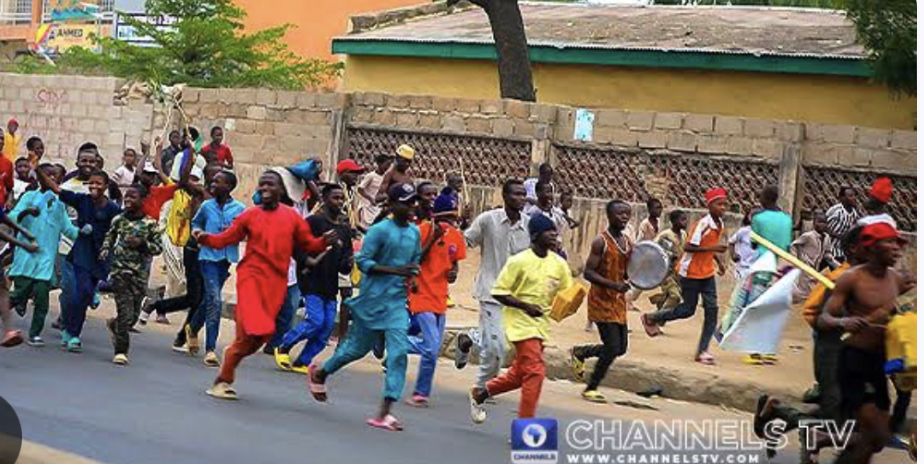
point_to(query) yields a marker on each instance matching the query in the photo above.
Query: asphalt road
(155, 411)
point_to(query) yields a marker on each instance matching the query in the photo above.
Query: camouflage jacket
(124, 259)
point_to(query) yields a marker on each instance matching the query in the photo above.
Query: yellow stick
(793, 260)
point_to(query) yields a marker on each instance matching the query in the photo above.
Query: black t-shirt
(322, 280)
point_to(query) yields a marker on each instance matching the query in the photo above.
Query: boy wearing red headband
(861, 305)
(697, 269)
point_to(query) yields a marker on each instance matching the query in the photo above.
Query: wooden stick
(793, 260)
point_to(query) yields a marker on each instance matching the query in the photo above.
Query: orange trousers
(526, 373)
(244, 345)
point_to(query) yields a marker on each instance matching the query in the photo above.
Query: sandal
(12, 338)
(705, 358)
(389, 422)
(418, 401)
(577, 366)
(318, 390)
(283, 361)
(222, 391)
(593, 396)
(651, 329)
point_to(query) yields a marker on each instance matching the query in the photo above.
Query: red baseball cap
(348, 165)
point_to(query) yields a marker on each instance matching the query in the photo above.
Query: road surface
(155, 411)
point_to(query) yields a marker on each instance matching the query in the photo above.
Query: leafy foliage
(205, 47)
(889, 29)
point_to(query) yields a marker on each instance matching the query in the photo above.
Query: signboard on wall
(73, 10)
(58, 37)
(127, 33)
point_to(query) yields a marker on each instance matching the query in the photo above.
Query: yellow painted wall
(316, 21)
(821, 99)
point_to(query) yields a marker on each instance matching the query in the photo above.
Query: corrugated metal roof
(757, 31)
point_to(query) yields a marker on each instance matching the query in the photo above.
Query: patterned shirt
(127, 260)
(840, 220)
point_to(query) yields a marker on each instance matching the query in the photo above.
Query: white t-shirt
(741, 240)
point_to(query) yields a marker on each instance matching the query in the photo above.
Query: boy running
(319, 284)
(606, 303)
(214, 217)
(671, 241)
(95, 213)
(272, 231)
(526, 287)
(132, 240)
(500, 233)
(862, 303)
(389, 258)
(42, 213)
(442, 248)
(697, 270)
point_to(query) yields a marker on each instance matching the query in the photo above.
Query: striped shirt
(840, 220)
(701, 265)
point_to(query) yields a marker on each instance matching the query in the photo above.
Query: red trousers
(526, 373)
(244, 345)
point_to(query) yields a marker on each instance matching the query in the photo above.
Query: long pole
(793, 260)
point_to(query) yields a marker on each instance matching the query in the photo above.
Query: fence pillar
(790, 171)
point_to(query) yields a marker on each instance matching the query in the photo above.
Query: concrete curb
(33, 453)
(634, 376)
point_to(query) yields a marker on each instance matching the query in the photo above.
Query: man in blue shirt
(214, 217)
(389, 261)
(771, 222)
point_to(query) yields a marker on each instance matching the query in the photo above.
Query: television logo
(534, 441)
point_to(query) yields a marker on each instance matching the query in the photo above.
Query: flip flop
(593, 396)
(12, 338)
(705, 358)
(283, 361)
(318, 390)
(577, 366)
(651, 329)
(388, 422)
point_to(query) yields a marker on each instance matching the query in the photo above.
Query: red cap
(876, 232)
(714, 194)
(881, 189)
(12, 121)
(348, 165)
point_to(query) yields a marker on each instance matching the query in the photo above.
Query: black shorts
(862, 380)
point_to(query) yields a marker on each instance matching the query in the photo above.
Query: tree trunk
(513, 66)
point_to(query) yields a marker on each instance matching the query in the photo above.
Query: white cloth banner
(761, 324)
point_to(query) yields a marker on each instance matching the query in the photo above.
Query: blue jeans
(427, 343)
(359, 341)
(84, 287)
(692, 290)
(320, 316)
(286, 316)
(66, 284)
(214, 275)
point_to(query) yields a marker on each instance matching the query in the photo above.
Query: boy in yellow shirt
(526, 287)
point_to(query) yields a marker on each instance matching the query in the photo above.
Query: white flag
(761, 324)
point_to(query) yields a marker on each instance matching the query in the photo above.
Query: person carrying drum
(671, 240)
(606, 270)
(697, 269)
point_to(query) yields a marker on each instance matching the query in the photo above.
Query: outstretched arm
(47, 182)
(231, 236)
